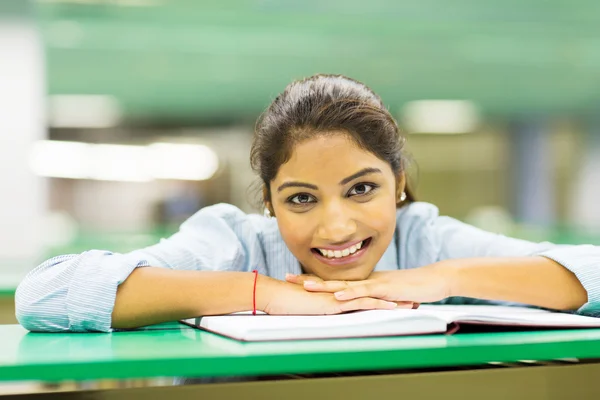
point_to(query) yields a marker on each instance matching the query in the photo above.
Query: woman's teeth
(341, 253)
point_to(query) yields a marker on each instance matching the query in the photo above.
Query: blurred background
(121, 118)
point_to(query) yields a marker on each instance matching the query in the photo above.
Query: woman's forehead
(333, 157)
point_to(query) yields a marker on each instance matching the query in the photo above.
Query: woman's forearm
(536, 281)
(153, 295)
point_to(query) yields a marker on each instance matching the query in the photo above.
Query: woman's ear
(267, 201)
(400, 186)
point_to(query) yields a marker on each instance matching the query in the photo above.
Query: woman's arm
(537, 281)
(78, 292)
(534, 274)
(152, 295)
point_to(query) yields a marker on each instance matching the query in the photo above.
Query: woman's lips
(343, 260)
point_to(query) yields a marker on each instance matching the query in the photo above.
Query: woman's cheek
(382, 215)
(291, 231)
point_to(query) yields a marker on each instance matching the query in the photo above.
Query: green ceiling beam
(187, 59)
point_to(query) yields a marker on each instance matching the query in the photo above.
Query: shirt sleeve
(77, 292)
(441, 238)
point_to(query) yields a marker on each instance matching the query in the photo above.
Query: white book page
(504, 315)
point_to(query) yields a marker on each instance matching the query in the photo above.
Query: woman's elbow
(39, 312)
(40, 299)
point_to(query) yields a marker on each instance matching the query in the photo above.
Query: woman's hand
(419, 285)
(287, 298)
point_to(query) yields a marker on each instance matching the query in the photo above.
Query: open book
(425, 320)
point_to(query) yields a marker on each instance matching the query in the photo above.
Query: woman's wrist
(266, 288)
(515, 279)
(452, 275)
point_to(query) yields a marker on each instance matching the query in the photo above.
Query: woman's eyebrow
(364, 171)
(297, 184)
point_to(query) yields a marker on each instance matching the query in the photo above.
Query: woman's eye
(361, 189)
(301, 198)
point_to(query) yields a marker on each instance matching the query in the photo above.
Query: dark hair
(321, 105)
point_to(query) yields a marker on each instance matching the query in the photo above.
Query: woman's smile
(342, 255)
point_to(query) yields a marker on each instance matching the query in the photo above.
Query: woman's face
(336, 207)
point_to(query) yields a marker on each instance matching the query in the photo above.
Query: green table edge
(517, 346)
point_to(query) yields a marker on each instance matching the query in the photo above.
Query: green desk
(176, 350)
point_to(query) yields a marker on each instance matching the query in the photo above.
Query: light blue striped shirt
(77, 292)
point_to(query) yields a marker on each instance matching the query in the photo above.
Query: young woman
(342, 233)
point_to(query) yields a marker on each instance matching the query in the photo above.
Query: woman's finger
(356, 291)
(369, 303)
(300, 279)
(327, 286)
(407, 304)
(375, 290)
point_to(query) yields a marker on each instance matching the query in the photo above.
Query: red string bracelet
(254, 292)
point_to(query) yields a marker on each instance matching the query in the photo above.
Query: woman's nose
(336, 226)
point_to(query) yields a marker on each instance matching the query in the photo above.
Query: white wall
(22, 195)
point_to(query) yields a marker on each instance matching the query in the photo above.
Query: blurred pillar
(23, 195)
(584, 200)
(534, 194)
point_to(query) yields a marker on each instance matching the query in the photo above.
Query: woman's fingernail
(310, 283)
(288, 275)
(339, 294)
(392, 305)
